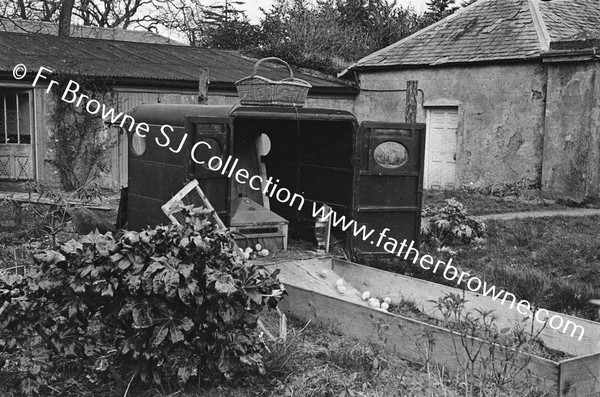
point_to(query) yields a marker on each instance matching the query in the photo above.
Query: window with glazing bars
(15, 120)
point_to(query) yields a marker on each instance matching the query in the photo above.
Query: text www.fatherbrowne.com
(449, 272)
(269, 187)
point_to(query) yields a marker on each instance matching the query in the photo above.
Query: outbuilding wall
(500, 109)
(572, 142)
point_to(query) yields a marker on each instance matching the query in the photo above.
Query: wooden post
(203, 86)
(411, 101)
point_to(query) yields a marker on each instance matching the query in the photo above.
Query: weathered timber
(411, 101)
(414, 340)
(580, 376)
(398, 287)
(313, 296)
(203, 82)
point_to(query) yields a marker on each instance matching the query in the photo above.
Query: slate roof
(139, 63)
(93, 32)
(568, 20)
(491, 31)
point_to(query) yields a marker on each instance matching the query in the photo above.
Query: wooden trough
(313, 296)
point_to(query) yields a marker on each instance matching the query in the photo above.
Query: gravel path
(541, 214)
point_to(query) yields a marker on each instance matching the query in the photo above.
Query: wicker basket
(259, 90)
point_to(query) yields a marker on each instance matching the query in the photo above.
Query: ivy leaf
(187, 324)
(184, 374)
(186, 271)
(254, 295)
(141, 317)
(158, 283)
(78, 287)
(49, 257)
(160, 333)
(133, 283)
(131, 237)
(171, 283)
(185, 295)
(175, 334)
(108, 291)
(124, 264)
(114, 258)
(225, 285)
(71, 247)
(154, 266)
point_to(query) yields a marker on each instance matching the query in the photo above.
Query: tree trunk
(64, 19)
(22, 10)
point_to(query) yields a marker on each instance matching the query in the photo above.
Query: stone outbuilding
(510, 92)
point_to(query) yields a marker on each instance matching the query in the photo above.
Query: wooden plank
(36, 199)
(411, 101)
(410, 339)
(398, 287)
(203, 86)
(580, 376)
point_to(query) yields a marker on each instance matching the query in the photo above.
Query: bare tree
(64, 19)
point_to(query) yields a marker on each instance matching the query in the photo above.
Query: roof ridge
(83, 29)
(105, 40)
(539, 24)
(424, 30)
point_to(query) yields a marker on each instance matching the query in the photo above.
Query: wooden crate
(312, 297)
(251, 223)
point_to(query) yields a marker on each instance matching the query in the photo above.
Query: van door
(212, 136)
(388, 186)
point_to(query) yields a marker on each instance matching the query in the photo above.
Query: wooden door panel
(387, 183)
(441, 148)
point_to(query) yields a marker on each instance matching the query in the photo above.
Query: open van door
(212, 136)
(388, 185)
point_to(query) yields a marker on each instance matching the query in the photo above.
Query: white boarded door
(440, 148)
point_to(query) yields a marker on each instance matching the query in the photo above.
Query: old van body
(370, 173)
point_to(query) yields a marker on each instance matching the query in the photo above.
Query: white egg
(374, 303)
(323, 273)
(365, 295)
(385, 306)
(387, 300)
(339, 282)
(258, 247)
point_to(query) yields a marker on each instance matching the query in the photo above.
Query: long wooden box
(312, 296)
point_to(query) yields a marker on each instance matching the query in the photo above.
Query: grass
(314, 361)
(553, 262)
(479, 204)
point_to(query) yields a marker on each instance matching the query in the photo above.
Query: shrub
(167, 303)
(449, 225)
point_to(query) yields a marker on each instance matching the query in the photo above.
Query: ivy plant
(164, 305)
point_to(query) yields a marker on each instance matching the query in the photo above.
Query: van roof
(175, 114)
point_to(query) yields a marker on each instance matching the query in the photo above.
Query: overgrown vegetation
(450, 225)
(165, 306)
(79, 138)
(552, 262)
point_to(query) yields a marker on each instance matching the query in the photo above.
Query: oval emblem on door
(390, 154)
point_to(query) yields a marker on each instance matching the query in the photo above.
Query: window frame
(16, 92)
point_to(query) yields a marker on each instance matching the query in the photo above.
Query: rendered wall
(572, 141)
(501, 115)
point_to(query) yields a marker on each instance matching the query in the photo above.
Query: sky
(252, 7)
